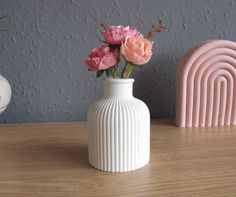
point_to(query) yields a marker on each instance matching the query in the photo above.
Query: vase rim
(120, 80)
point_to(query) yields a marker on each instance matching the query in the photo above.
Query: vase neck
(118, 87)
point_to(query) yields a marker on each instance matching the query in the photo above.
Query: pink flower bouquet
(122, 45)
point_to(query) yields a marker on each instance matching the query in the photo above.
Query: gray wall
(42, 54)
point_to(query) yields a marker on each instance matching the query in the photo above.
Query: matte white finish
(5, 93)
(119, 129)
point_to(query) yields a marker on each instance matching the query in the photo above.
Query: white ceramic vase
(119, 129)
(5, 93)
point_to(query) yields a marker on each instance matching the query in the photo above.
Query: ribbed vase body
(119, 129)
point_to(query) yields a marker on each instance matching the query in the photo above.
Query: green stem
(129, 70)
(123, 74)
(114, 71)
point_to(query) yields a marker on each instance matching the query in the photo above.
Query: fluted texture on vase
(206, 82)
(119, 134)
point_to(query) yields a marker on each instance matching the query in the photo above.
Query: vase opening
(118, 87)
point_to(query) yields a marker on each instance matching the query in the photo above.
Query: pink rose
(115, 35)
(101, 58)
(137, 50)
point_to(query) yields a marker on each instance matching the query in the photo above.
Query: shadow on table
(164, 122)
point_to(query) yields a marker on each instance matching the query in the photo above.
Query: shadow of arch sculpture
(206, 85)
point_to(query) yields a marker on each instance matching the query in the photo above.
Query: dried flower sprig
(104, 25)
(156, 29)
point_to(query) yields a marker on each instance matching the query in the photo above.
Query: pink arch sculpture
(206, 85)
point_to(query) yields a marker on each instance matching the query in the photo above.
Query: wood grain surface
(51, 160)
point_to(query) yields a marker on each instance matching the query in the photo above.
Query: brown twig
(104, 25)
(156, 29)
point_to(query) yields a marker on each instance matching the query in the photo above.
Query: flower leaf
(103, 41)
(2, 17)
(109, 72)
(100, 73)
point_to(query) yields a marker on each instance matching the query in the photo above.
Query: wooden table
(51, 160)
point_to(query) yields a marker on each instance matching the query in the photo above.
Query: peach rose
(137, 50)
(101, 58)
(115, 35)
